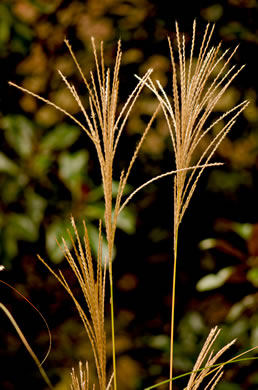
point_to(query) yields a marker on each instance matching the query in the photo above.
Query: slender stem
(27, 346)
(173, 308)
(110, 230)
(110, 234)
(112, 324)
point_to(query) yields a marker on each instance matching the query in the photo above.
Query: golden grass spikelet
(197, 376)
(104, 126)
(195, 93)
(80, 381)
(92, 284)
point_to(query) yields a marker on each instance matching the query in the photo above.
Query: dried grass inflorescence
(93, 289)
(195, 93)
(80, 381)
(104, 127)
(198, 375)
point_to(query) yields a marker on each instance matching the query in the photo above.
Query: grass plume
(195, 93)
(104, 126)
(80, 381)
(93, 289)
(197, 376)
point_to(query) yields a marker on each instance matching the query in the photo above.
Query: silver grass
(195, 93)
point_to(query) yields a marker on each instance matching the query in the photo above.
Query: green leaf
(19, 134)
(22, 227)
(252, 276)
(61, 137)
(228, 182)
(24, 31)
(5, 24)
(95, 194)
(94, 241)
(18, 45)
(244, 230)
(208, 243)
(72, 167)
(95, 210)
(238, 308)
(211, 281)
(4, 30)
(55, 231)
(126, 221)
(40, 164)
(98, 193)
(161, 342)
(7, 165)
(11, 188)
(35, 205)
(115, 186)
(10, 245)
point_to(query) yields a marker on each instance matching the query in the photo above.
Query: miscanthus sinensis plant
(195, 92)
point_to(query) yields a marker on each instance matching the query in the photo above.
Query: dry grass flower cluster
(194, 97)
(195, 92)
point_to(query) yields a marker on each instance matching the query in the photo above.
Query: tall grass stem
(171, 360)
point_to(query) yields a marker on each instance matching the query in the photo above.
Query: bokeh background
(48, 171)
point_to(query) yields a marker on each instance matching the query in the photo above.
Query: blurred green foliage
(15, 36)
(41, 161)
(48, 171)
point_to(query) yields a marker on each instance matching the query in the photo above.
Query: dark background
(48, 170)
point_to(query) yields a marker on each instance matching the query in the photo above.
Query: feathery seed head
(195, 93)
(92, 285)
